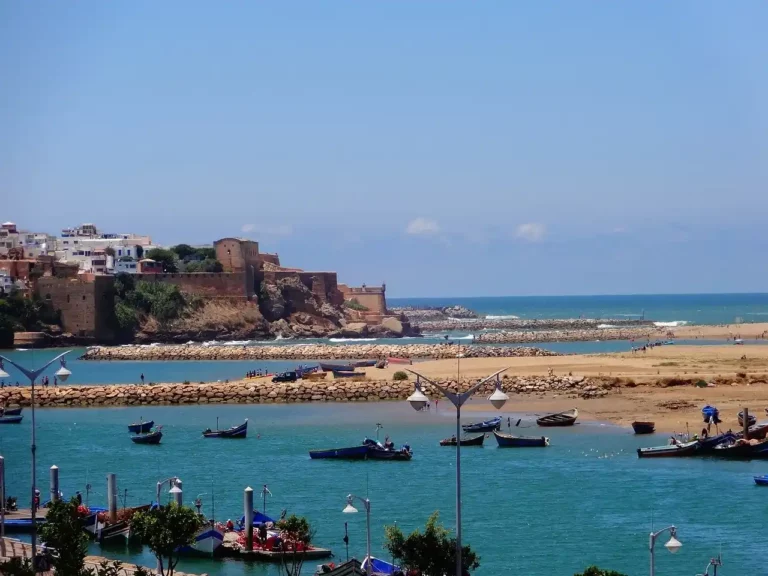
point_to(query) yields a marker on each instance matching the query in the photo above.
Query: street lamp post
(62, 374)
(350, 509)
(418, 400)
(673, 545)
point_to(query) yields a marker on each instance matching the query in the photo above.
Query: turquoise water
(691, 308)
(540, 512)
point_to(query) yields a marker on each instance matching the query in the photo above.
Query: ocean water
(586, 499)
(668, 308)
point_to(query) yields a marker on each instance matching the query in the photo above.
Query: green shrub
(353, 304)
(400, 375)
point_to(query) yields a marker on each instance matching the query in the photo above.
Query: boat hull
(751, 418)
(468, 441)
(207, 541)
(643, 427)
(11, 419)
(351, 453)
(141, 427)
(761, 480)
(487, 426)
(743, 451)
(379, 454)
(16, 411)
(672, 451)
(337, 367)
(510, 441)
(240, 431)
(153, 438)
(559, 419)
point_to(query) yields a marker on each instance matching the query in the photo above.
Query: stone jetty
(561, 325)
(264, 391)
(580, 335)
(306, 352)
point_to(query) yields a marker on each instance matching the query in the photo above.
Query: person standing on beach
(142, 377)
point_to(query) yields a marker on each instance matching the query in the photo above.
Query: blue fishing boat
(11, 419)
(486, 426)
(761, 480)
(378, 566)
(364, 363)
(152, 437)
(14, 411)
(344, 374)
(351, 453)
(706, 445)
(238, 431)
(336, 367)
(510, 441)
(258, 520)
(141, 427)
(742, 450)
(387, 451)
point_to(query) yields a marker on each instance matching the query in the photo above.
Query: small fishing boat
(11, 419)
(738, 342)
(364, 363)
(706, 445)
(337, 367)
(510, 441)
(12, 411)
(238, 431)
(560, 419)
(485, 426)
(752, 419)
(742, 450)
(151, 437)
(466, 441)
(761, 480)
(643, 427)
(387, 451)
(302, 371)
(141, 427)
(351, 453)
(344, 374)
(758, 431)
(671, 451)
(710, 414)
(114, 533)
(392, 360)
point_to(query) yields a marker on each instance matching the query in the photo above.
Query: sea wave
(672, 324)
(352, 339)
(601, 326)
(502, 317)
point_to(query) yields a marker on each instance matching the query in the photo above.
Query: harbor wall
(264, 391)
(307, 352)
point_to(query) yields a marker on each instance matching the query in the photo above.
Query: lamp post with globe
(62, 374)
(419, 400)
(350, 509)
(673, 544)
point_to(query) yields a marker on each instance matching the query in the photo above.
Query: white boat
(207, 540)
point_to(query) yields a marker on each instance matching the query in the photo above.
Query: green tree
(139, 252)
(17, 567)
(166, 257)
(595, 571)
(184, 251)
(165, 530)
(296, 534)
(109, 251)
(431, 553)
(206, 253)
(204, 266)
(62, 532)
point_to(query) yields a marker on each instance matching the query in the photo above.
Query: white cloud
(531, 232)
(278, 230)
(422, 227)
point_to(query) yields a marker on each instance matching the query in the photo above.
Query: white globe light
(418, 400)
(63, 374)
(349, 509)
(673, 545)
(3, 373)
(498, 398)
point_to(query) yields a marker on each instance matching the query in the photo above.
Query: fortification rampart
(234, 285)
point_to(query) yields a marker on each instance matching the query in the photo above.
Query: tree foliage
(20, 314)
(135, 300)
(595, 571)
(167, 258)
(297, 534)
(432, 552)
(197, 259)
(206, 265)
(63, 533)
(17, 567)
(166, 529)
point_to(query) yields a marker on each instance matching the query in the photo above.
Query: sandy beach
(722, 331)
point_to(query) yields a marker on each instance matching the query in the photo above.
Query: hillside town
(75, 274)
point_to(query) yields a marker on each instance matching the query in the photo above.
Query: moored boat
(141, 427)
(643, 427)
(710, 414)
(510, 441)
(393, 360)
(560, 419)
(11, 419)
(152, 437)
(207, 540)
(238, 431)
(758, 431)
(351, 453)
(761, 480)
(742, 450)
(485, 426)
(706, 445)
(345, 374)
(12, 411)
(466, 441)
(387, 451)
(752, 420)
(314, 375)
(670, 451)
(336, 367)
(364, 363)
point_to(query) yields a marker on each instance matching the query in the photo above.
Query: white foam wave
(468, 337)
(22, 349)
(352, 339)
(672, 324)
(602, 326)
(502, 317)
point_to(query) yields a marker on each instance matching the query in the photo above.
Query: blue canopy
(258, 519)
(379, 566)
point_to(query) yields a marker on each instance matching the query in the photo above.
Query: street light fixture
(62, 373)
(350, 509)
(418, 400)
(673, 544)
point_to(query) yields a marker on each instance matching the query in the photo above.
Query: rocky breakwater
(434, 313)
(530, 324)
(306, 352)
(569, 335)
(264, 391)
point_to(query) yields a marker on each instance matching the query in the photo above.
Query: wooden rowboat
(510, 441)
(486, 426)
(238, 431)
(12, 411)
(671, 451)
(11, 419)
(752, 419)
(643, 427)
(560, 419)
(466, 441)
(149, 438)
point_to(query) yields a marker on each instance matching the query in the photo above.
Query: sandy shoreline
(722, 331)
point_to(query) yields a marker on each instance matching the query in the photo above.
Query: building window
(67, 298)
(83, 296)
(119, 252)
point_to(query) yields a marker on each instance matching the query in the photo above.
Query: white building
(125, 264)
(6, 282)
(33, 244)
(86, 246)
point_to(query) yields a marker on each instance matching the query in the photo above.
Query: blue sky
(447, 148)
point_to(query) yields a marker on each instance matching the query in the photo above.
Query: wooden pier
(10, 548)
